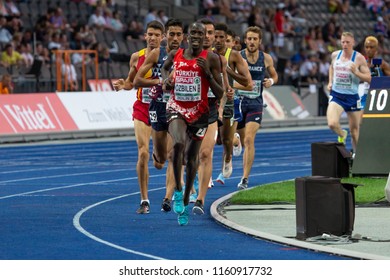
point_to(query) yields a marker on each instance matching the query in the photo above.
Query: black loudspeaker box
(324, 205)
(330, 159)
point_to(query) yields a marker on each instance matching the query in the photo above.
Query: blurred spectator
(55, 42)
(134, 30)
(97, 20)
(42, 53)
(15, 25)
(65, 45)
(43, 26)
(309, 70)
(382, 48)
(27, 36)
(291, 73)
(338, 6)
(329, 31)
(25, 50)
(161, 17)
(79, 58)
(10, 57)
(279, 24)
(242, 9)
(6, 86)
(324, 64)
(299, 57)
(210, 7)
(320, 43)
(16, 40)
(375, 7)
(294, 8)
(150, 16)
(3, 9)
(12, 8)
(58, 21)
(256, 18)
(69, 73)
(386, 12)
(380, 28)
(116, 21)
(112, 5)
(288, 26)
(87, 35)
(5, 35)
(107, 14)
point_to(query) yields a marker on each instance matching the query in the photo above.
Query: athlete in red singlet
(187, 109)
(142, 128)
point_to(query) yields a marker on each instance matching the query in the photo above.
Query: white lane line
(67, 187)
(63, 175)
(77, 225)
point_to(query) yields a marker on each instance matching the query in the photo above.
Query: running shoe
(227, 168)
(193, 197)
(198, 208)
(144, 208)
(166, 205)
(237, 149)
(344, 138)
(178, 204)
(243, 184)
(221, 179)
(183, 217)
(211, 184)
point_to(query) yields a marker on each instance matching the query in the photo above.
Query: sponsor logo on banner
(105, 110)
(100, 85)
(21, 113)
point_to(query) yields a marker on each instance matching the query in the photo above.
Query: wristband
(160, 81)
(272, 81)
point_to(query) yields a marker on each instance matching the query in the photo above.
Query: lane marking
(77, 225)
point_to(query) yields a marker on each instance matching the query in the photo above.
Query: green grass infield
(370, 190)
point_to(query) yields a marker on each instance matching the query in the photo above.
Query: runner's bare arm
(150, 61)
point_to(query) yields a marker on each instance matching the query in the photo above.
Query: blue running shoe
(193, 197)
(196, 183)
(221, 179)
(183, 217)
(178, 204)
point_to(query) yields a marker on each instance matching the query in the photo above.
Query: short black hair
(174, 22)
(221, 26)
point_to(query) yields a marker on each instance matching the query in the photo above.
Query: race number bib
(251, 94)
(188, 88)
(145, 95)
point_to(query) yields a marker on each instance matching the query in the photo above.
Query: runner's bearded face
(220, 40)
(174, 37)
(252, 42)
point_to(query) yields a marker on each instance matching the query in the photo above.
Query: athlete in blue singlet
(252, 100)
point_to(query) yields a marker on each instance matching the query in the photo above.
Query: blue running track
(77, 201)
